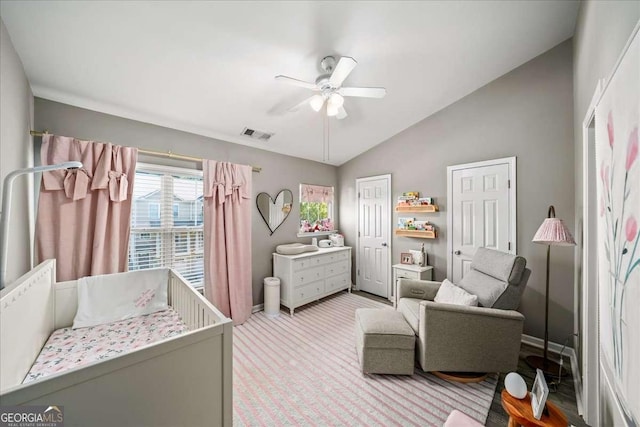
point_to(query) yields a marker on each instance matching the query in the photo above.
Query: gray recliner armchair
(455, 338)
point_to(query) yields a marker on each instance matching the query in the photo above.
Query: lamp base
(549, 367)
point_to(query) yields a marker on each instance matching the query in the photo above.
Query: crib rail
(26, 320)
(196, 312)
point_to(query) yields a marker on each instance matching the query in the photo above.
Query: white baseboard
(257, 308)
(573, 360)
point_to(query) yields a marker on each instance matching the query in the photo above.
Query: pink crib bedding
(70, 348)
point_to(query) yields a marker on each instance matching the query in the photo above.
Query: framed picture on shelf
(539, 393)
(406, 258)
(419, 257)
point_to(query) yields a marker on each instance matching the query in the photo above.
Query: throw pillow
(452, 294)
(112, 297)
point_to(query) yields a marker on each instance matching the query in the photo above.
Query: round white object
(515, 385)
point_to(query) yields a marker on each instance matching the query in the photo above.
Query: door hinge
(508, 183)
(358, 194)
(358, 272)
(358, 234)
(509, 245)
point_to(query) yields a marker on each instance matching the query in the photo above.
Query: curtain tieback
(76, 183)
(118, 186)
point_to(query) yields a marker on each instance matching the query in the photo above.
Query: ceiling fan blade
(343, 69)
(366, 92)
(300, 105)
(342, 113)
(297, 82)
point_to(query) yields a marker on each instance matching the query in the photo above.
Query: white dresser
(307, 277)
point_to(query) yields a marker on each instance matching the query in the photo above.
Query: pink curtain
(84, 215)
(227, 238)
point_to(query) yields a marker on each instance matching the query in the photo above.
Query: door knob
(384, 244)
(457, 252)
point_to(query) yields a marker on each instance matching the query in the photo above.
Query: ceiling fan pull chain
(325, 134)
(328, 138)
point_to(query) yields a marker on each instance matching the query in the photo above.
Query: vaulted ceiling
(209, 67)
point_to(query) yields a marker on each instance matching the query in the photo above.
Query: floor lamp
(552, 232)
(6, 208)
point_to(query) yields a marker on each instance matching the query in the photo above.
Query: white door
(373, 258)
(481, 211)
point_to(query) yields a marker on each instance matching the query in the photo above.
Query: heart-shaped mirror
(275, 212)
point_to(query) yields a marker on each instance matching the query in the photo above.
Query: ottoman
(384, 342)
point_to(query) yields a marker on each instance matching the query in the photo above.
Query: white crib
(185, 380)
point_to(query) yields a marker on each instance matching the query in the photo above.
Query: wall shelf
(421, 234)
(424, 208)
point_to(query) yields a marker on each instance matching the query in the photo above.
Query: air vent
(256, 134)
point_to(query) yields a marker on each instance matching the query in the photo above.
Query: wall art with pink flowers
(618, 192)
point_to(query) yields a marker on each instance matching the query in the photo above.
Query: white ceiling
(209, 67)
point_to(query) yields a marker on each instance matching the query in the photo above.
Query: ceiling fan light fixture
(336, 100)
(316, 102)
(332, 110)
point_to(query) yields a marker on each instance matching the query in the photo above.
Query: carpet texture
(303, 371)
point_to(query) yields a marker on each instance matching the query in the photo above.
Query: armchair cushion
(410, 309)
(486, 288)
(501, 265)
(497, 278)
(452, 294)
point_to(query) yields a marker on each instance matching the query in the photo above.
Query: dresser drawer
(308, 275)
(407, 274)
(336, 268)
(342, 255)
(311, 290)
(336, 256)
(302, 263)
(338, 282)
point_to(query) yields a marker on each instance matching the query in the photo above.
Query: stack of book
(412, 198)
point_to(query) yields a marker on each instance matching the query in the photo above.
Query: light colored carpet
(304, 371)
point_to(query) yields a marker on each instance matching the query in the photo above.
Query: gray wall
(16, 116)
(526, 113)
(602, 30)
(278, 171)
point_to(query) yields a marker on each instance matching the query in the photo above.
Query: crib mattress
(70, 348)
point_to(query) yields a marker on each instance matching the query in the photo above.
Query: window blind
(167, 222)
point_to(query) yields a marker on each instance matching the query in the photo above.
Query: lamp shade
(554, 232)
(317, 101)
(336, 100)
(332, 110)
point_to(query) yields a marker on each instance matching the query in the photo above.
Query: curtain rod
(167, 154)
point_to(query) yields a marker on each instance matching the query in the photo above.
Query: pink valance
(315, 193)
(222, 179)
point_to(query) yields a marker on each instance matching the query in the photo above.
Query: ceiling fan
(329, 87)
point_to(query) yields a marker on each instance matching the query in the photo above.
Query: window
(316, 209)
(167, 221)
(154, 211)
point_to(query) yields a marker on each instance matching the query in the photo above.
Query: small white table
(408, 271)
